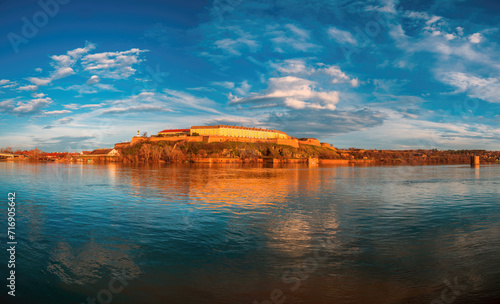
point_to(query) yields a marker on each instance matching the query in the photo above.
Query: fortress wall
(210, 139)
(289, 142)
(310, 141)
(168, 138)
(122, 145)
(137, 139)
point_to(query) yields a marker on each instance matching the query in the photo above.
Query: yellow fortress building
(235, 131)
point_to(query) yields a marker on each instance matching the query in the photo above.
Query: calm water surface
(249, 234)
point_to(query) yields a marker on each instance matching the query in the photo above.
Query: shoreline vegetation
(260, 152)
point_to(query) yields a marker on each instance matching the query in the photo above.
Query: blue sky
(382, 74)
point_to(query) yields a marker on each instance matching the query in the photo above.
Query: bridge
(9, 155)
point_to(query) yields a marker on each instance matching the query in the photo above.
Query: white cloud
(20, 108)
(225, 84)
(39, 81)
(134, 109)
(182, 100)
(94, 105)
(290, 37)
(89, 89)
(450, 36)
(56, 112)
(93, 79)
(336, 73)
(487, 89)
(243, 88)
(432, 20)
(239, 42)
(114, 65)
(298, 67)
(4, 81)
(291, 66)
(295, 103)
(341, 36)
(37, 95)
(28, 88)
(80, 88)
(39, 70)
(292, 92)
(107, 87)
(387, 6)
(77, 53)
(71, 106)
(475, 38)
(354, 82)
(62, 72)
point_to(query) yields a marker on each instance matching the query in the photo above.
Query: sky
(378, 74)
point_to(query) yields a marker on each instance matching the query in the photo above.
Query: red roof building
(174, 132)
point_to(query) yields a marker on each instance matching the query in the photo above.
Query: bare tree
(144, 134)
(35, 154)
(156, 152)
(145, 151)
(7, 150)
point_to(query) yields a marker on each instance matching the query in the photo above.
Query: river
(201, 233)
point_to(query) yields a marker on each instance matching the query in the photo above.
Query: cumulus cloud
(37, 95)
(21, 108)
(292, 92)
(28, 88)
(291, 66)
(39, 81)
(476, 38)
(298, 67)
(5, 83)
(114, 65)
(93, 79)
(62, 73)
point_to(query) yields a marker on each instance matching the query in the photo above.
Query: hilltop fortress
(220, 133)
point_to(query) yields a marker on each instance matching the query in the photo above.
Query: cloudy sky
(370, 74)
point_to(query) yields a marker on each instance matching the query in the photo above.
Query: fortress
(228, 131)
(219, 133)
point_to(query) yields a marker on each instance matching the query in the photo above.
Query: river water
(252, 234)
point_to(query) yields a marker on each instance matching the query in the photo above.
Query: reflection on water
(211, 233)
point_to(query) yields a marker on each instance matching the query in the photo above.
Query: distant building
(235, 131)
(104, 152)
(174, 132)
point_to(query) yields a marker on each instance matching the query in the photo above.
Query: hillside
(181, 151)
